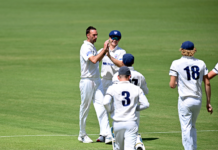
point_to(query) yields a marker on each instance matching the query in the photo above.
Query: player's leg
(86, 89)
(130, 135)
(185, 117)
(119, 130)
(101, 111)
(195, 112)
(105, 84)
(139, 142)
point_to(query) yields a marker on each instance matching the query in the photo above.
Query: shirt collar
(123, 82)
(187, 57)
(89, 43)
(131, 68)
(113, 49)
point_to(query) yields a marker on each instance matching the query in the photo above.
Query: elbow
(173, 86)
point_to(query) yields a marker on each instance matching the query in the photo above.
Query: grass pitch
(40, 71)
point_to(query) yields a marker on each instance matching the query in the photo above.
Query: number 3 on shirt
(126, 102)
(195, 72)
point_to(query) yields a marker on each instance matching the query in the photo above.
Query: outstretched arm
(208, 93)
(211, 74)
(118, 63)
(95, 59)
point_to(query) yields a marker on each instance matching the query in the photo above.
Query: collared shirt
(190, 72)
(136, 78)
(122, 100)
(108, 68)
(215, 69)
(88, 69)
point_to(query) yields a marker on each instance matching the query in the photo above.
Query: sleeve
(143, 101)
(144, 85)
(215, 69)
(107, 102)
(205, 69)
(86, 52)
(100, 50)
(115, 79)
(173, 69)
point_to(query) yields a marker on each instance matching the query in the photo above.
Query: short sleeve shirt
(215, 69)
(108, 68)
(190, 72)
(88, 69)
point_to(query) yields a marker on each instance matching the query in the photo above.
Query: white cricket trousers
(189, 109)
(125, 135)
(106, 83)
(91, 90)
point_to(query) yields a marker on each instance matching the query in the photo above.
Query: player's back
(126, 98)
(190, 73)
(136, 78)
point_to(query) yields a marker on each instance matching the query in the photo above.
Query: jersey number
(195, 72)
(134, 81)
(126, 102)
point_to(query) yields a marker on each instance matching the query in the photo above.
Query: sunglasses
(115, 38)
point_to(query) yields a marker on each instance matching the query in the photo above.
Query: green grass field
(40, 69)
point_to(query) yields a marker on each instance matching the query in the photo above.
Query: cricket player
(137, 79)
(91, 86)
(213, 72)
(110, 65)
(188, 73)
(122, 100)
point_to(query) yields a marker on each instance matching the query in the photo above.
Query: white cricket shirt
(190, 72)
(136, 78)
(215, 69)
(108, 68)
(125, 98)
(88, 69)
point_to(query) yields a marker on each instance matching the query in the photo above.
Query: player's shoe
(108, 139)
(100, 139)
(139, 144)
(85, 139)
(113, 138)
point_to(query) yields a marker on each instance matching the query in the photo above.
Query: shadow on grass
(149, 139)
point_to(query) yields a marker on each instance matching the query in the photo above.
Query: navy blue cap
(128, 59)
(115, 35)
(124, 71)
(187, 45)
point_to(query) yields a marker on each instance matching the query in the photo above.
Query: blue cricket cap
(124, 71)
(128, 59)
(115, 35)
(188, 45)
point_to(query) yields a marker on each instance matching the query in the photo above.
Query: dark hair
(124, 76)
(90, 28)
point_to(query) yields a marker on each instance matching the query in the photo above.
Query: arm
(95, 59)
(173, 81)
(107, 103)
(118, 63)
(211, 74)
(143, 102)
(208, 93)
(144, 86)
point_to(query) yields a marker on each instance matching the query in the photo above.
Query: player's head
(124, 74)
(128, 60)
(188, 49)
(91, 34)
(114, 37)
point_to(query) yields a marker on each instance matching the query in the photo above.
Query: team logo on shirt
(88, 53)
(116, 56)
